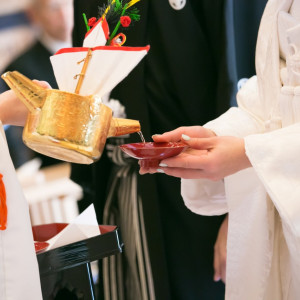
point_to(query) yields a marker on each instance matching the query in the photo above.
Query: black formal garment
(35, 64)
(247, 15)
(242, 23)
(182, 81)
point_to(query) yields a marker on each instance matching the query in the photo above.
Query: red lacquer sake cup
(150, 154)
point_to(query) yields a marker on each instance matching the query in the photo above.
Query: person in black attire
(184, 80)
(54, 21)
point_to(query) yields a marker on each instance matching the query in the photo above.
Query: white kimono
(263, 246)
(19, 274)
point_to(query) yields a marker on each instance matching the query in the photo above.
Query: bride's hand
(213, 158)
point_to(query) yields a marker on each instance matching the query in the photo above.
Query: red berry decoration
(125, 21)
(92, 21)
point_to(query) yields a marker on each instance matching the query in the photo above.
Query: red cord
(3, 207)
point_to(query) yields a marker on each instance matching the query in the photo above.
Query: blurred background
(30, 32)
(16, 32)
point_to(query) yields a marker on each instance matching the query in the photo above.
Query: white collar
(53, 45)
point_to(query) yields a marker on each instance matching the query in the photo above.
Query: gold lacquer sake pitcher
(64, 125)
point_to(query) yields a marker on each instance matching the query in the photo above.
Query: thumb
(169, 136)
(43, 84)
(198, 143)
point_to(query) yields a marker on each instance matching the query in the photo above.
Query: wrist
(245, 162)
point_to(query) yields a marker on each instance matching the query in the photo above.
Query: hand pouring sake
(64, 125)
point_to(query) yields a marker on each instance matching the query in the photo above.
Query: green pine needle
(85, 22)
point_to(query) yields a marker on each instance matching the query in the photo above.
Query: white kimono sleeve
(204, 197)
(19, 275)
(207, 197)
(275, 156)
(276, 160)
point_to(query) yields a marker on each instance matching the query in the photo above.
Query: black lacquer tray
(66, 270)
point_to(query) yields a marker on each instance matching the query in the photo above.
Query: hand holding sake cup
(169, 150)
(166, 145)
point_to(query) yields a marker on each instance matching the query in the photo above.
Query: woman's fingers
(144, 170)
(217, 269)
(175, 135)
(199, 143)
(187, 163)
(219, 265)
(182, 173)
(170, 136)
(220, 252)
(191, 158)
(213, 158)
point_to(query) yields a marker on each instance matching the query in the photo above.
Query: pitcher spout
(30, 93)
(123, 126)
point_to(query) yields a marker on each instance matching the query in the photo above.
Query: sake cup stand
(65, 272)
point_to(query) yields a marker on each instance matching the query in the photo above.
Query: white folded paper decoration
(106, 65)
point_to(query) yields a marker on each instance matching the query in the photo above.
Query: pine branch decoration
(117, 13)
